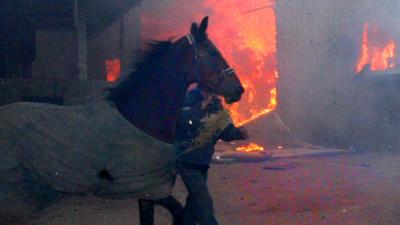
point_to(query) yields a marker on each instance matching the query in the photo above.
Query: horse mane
(150, 64)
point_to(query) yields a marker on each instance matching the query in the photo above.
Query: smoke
(319, 43)
(170, 18)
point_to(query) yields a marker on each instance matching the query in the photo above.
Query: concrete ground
(347, 189)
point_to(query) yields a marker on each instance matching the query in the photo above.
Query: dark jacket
(189, 128)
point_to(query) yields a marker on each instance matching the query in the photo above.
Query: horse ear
(194, 30)
(203, 26)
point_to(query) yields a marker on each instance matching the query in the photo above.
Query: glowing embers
(250, 148)
(113, 68)
(378, 50)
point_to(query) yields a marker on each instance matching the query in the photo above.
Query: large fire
(245, 33)
(247, 39)
(377, 50)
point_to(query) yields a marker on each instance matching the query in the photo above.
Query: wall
(57, 50)
(120, 40)
(56, 54)
(55, 69)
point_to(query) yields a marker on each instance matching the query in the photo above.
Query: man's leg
(199, 206)
(174, 207)
(190, 211)
(146, 212)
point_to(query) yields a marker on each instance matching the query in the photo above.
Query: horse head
(152, 94)
(210, 70)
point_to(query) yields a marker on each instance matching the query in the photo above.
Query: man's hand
(232, 133)
(243, 133)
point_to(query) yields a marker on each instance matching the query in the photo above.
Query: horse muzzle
(235, 96)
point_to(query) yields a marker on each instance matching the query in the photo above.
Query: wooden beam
(259, 8)
(122, 41)
(81, 28)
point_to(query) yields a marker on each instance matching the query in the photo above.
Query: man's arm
(232, 133)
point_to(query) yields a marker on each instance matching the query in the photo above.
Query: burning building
(300, 60)
(328, 70)
(315, 71)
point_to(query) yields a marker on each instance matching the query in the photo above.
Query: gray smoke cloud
(319, 43)
(171, 17)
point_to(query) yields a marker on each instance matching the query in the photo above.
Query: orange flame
(250, 148)
(244, 32)
(271, 106)
(248, 42)
(376, 50)
(113, 68)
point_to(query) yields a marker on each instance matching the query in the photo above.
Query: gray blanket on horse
(83, 149)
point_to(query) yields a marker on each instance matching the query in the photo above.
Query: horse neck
(154, 104)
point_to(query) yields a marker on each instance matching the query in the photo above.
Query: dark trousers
(199, 204)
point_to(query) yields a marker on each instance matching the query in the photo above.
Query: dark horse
(152, 95)
(117, 146)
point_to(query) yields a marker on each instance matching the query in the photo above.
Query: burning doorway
(378, 50)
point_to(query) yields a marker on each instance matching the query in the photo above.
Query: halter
(196, 60)
(221, 76)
